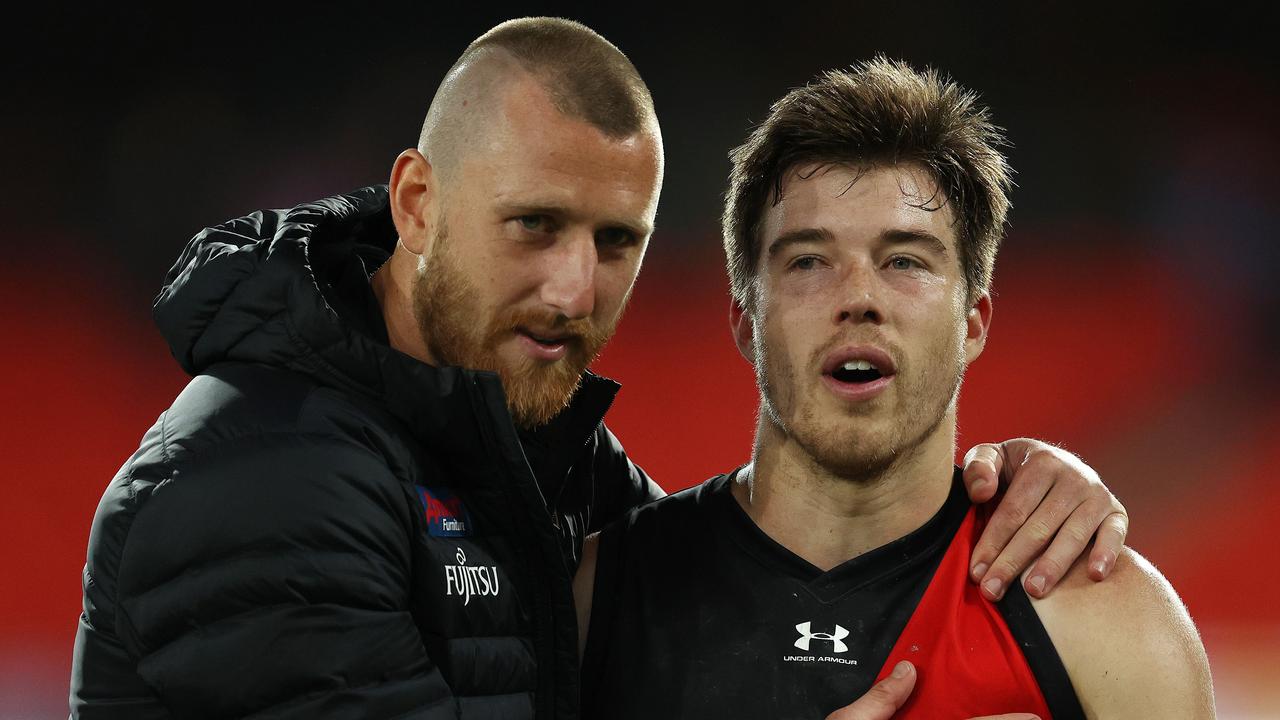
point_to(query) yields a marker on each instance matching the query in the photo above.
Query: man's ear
(977, 323)
(413, 197)
(743, 327)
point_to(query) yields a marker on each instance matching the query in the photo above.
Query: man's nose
(860, 297)
(570, 287)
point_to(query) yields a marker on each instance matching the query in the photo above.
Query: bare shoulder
(1128, 643)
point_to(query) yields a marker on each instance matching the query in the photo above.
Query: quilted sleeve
(265, 577)
(620, 483)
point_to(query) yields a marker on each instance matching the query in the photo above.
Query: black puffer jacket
(321, 526)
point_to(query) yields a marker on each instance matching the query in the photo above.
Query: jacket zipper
(544, 703)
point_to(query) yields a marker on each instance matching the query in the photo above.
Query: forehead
(859, 203)
(532, 146)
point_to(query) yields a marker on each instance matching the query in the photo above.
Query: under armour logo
(836, 638)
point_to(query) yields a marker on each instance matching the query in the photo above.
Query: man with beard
(371, 497)
(860, 230)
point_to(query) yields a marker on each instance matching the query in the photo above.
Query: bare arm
(1128, 644)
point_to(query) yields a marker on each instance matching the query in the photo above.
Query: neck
(393, 287)
(828, 519)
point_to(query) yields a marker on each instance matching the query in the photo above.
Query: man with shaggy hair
(370, 499)
(860, 231)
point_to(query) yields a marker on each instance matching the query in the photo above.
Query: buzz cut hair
(877, 113)
(587, 77)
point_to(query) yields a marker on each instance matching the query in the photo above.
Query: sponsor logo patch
(835, 638)
(807, 637)
(466, 580)
(445, 513)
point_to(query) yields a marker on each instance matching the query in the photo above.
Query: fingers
(1109, 543)
(1067, 545)
(1054, 501)
(1031, 538)
(1034, 476)
(982, 466)
(883, 699)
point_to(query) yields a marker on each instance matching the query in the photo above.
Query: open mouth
(856, 372)
(860, 373)
(547, 342)
(545, 346)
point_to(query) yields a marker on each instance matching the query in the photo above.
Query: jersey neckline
(898, 557)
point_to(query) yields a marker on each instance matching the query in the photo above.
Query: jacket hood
(251, 290)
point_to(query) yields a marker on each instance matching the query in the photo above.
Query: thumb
(982, 467)
(883, 699)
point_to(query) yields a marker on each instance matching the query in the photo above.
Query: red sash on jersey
(967, 662)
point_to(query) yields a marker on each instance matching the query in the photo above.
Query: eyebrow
(822, 235)
(796, 237)
(916, 236)
(640, 230)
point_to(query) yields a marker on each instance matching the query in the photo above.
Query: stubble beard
(862, 458)
(456, 335)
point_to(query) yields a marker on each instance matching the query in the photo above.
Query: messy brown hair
(879, 112)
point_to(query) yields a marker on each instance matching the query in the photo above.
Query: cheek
(786, 338)
(509, 271)
(928, 303)
(806, 288)
(493, 290)
(613, 285)
(921, 287)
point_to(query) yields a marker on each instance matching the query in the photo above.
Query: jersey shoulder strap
(959, 642)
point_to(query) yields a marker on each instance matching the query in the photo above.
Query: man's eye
(806, 262)
(615, 237)
(903, 263)
(535, 223)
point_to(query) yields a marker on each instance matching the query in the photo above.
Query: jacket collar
(247, 290)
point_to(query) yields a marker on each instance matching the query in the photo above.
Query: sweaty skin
(1128, 644)
(856, 263)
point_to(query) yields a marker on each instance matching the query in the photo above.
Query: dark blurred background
(1137, 312)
